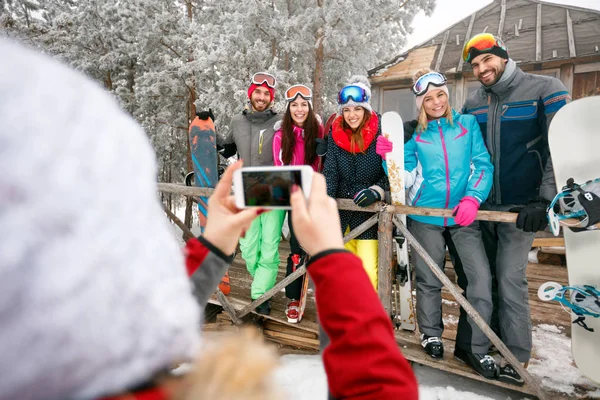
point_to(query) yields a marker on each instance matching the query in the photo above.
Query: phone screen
(272, 188)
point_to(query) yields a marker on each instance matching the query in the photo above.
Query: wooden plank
(412, 351)
(227, 307)
(553, 241)
(590, 84)
(184, 190)
(186, 233)
(572, 52)
(288, 329)
(307, 342)
(219, 327)
(566, 76)
(276, 289)
(308, 322)
(467, 37)
(590, 67)
(385, 259)
(579, 86)
(473, 314)
(354, 233)
(554, 250)
(538, 34)
(440, 56)
(502, 18)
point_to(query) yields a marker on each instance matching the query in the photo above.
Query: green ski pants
(260, 250)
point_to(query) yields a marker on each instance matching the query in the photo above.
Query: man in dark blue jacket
(514, 110)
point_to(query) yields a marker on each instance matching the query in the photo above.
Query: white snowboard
(574, 139)
(392, 128)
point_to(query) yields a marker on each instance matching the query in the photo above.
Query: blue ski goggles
(432, 78)
(354, 93)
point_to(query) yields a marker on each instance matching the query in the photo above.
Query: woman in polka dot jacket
(353, 169)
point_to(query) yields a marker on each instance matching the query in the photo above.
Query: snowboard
(203, 145)
(574, 142)
(393, 130)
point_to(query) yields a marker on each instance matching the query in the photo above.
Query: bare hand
(317, 227)
(225, 223)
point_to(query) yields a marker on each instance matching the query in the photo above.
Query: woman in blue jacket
(448, 166)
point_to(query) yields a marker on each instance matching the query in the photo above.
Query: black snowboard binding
(578, 202)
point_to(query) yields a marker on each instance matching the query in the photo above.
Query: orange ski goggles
(298, 90)
(484, 43)
(262, 77)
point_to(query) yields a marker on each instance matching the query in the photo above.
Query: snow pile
(303, 378)
(450, 319)
(553, 363)
(447, 393)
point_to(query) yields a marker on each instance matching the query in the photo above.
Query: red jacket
(363, 360)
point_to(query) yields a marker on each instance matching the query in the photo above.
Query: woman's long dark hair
(288, 139)
(356, 139)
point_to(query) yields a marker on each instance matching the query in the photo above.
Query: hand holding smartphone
(270, 187)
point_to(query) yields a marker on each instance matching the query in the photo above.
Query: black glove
(366, 197)
(409, 129)
(206, 114)
(227, 150)
(321, 146)
(532, 217)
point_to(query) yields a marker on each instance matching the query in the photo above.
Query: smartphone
(270, 187)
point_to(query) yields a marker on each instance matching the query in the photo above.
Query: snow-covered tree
(164, 58)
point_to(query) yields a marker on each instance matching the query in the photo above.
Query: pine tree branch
(170, 48)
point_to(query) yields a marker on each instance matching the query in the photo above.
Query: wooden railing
(383, 216)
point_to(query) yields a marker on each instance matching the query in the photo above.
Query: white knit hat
(362, 82)
(94, 295)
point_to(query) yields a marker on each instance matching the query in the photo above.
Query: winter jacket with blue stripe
(514, 116)
(444, 163)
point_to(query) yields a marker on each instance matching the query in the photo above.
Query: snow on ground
(449, 302)
(553, 363)
(303, 378)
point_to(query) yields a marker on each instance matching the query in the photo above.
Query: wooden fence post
(385, 259)
(472, 313)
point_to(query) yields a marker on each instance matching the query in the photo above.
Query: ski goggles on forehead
(298, 90)
(481, 43)
(262, 77)
(432, 78)
(354, 93)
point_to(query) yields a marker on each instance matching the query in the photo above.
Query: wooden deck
(305, 334)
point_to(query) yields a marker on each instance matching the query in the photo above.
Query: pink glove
(466, 211)
(383, 146)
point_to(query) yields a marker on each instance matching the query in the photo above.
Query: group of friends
(492, 155)
(100, 302)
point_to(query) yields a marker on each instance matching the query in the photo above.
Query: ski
(392, 128)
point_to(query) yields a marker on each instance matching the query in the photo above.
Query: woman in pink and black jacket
(297, 141)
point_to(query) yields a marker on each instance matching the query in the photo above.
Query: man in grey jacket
(252, 133)
(514, 110)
